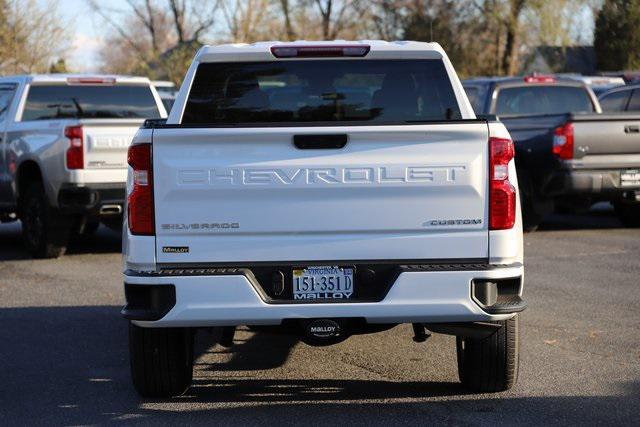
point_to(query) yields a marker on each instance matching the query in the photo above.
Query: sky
(89, 30)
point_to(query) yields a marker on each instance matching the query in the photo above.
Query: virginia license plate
(323, 283)
(630, 178)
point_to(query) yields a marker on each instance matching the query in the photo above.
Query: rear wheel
(628, 213)
(161, 360)
(44, 230)
(490, 364)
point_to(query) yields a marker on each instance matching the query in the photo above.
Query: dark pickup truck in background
(568, 154)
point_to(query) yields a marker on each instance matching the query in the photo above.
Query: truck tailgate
(230, 195)
(610, 134)
(106, 142)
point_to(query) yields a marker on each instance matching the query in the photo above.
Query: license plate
(323, 283)
(630, 178)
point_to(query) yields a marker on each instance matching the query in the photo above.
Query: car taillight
(140, 200)
(563, 141)
(75, 152)
(320, 51)
(502, 195)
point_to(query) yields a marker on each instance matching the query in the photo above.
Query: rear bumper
(94, 199)
(232, 299)
(604, 183)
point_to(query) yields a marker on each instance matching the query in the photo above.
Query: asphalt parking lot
(64, 357)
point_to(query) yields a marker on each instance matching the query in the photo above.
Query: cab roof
(75, 77)
(525, 80)
(263, 50)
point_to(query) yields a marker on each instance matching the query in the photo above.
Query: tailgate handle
(632, 129)
(318, 142)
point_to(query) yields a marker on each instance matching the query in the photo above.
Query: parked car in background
(323, 189)
(625, 98)
(598, 84)
(167, 91)
(63, 165)
(568, 154)
(629, 77)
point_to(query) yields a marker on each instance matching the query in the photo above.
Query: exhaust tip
(110, 210)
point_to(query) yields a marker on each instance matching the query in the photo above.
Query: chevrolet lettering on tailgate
(352, 175)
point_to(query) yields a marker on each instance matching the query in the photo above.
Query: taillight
(320, 51)
(140, 200)
(502, 195)
(563, 141)
(75, 152)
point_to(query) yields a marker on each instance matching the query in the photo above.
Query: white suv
(324, 189)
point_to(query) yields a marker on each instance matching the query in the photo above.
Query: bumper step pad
(507, 304)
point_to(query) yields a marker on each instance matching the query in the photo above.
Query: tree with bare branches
(337, 15)
(32, 36)
(154, 37)
(248, 20)
(285, 6)
(159, 37)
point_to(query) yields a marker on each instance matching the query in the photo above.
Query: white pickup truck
(324, 189)
(63, 145)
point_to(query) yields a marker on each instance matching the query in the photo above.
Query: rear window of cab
(542, 99)
(321, 92)
(50, 102)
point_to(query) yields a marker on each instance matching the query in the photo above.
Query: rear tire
(628, 213)
(161, 360)
(490, 364)
(44, 230)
